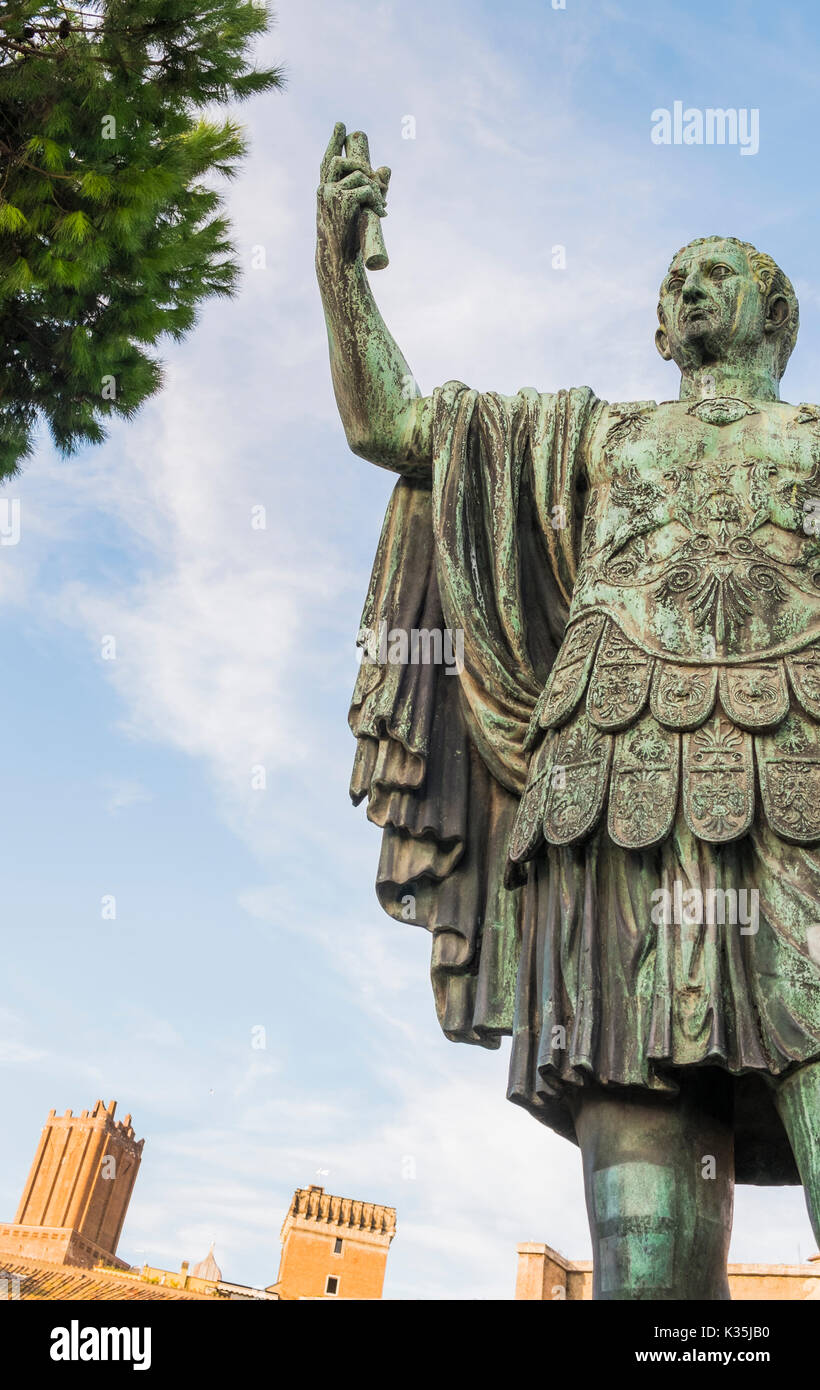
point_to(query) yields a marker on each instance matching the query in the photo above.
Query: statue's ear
(662, 344)
(777, 312)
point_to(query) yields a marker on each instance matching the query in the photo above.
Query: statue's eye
(720, 272)
(674, 283)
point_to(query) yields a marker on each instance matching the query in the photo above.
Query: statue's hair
(771, 280)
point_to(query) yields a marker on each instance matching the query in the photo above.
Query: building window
(337, 1246)
(332, 1285)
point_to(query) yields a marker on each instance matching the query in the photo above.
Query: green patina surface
(637, 586)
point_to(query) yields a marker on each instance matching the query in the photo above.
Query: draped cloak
(554, 942)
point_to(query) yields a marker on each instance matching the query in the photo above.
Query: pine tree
(111, 230)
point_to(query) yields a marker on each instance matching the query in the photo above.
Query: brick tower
(333, 1247)
(77, 1193)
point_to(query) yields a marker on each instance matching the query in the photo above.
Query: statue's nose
(693, 290)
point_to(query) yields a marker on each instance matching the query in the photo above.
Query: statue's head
(720, 301)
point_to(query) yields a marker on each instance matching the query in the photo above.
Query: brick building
(63, 1241)
(334, 1247)
(78, 1189)
(546, 1276)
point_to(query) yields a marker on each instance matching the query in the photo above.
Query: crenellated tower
(334, 1247)
(76, 1196)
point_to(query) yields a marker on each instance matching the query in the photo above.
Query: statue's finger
(383, 175)
(368, 196)
(341, 165)
(335, 146)
(356, 179)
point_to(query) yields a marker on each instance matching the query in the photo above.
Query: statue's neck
(748, 382)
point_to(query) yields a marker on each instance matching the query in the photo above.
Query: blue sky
(239, 908)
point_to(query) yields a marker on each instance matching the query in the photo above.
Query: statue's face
(712, 306)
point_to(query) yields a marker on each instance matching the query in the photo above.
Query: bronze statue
(609, 818)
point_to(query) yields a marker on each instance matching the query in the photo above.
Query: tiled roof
(49, 1282)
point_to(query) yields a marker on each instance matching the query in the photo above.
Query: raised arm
(385, 418)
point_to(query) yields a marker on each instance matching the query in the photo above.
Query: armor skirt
(632, 966)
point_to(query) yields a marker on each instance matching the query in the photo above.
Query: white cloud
(16, 1054)
(122, 795)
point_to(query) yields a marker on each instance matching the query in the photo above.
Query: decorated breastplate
(692, 653)
(699, 536)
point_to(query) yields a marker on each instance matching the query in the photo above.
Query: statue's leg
(659, 1179)
(797, 1098)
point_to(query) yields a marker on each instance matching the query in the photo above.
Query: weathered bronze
(597, 771)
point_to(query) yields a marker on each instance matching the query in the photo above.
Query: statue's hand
(347, 184)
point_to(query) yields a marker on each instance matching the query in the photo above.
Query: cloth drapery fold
(487, 553)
